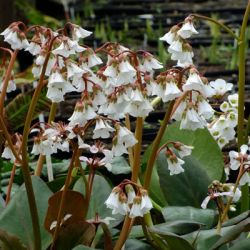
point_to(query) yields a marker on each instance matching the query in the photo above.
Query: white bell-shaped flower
(192, 120)
(79, 32)
(187, 29)
(102, 129)
(174, 165)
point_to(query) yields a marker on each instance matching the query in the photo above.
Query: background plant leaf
(133, 244)
(173, 240)
(241, 245)
(205, 239)
(206, 158)
(179, 227)
(120, 166)
(16, 219)
(207, 217)
(185, 189)
(233, 233)
(17, 108)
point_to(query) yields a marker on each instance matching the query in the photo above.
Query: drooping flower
(187, 29)
(204, 108)
(183, 150)
(174, 163)
(15, 37)
(170, 37)
(192, 120)
(82, 113)
(79, 32)
(129, 198)
(130, 193)
(102, 129)
(193, 82)
(7, 154)
(146, 204)
(139, 105)
(136, 210)
(166, 88)
(150, 63)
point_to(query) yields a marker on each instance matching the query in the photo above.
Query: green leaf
(100, 192)
(207, 217)
(174, 241)
(206, 156)
(237, 219)
(155, 191)
(16, 219)
(133, 244)
(179, 227)
(204, 239)
(58, 167)
(185, 189)
(233, 233)
(206, 151)
(241, 245)
(136, 232)
(120, 166)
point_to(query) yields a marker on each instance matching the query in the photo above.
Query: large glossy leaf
(185, 189)
(133, 244)
(120, 166)
(204, 239)
(206, 151)
(207, 217)
(233, 233)
(206, 156)
(237, 219)
(100, 192)
(179, 227)
(174, 241)
(16, 220)
(241, 245)
(155, 190)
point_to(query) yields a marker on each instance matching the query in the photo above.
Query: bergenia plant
(105, 194)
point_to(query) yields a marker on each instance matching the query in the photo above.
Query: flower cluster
(59, 136)
(179, 48)
(222, 128)
(175, 163)
(194, 109)
(241, 160)
(129, 198)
